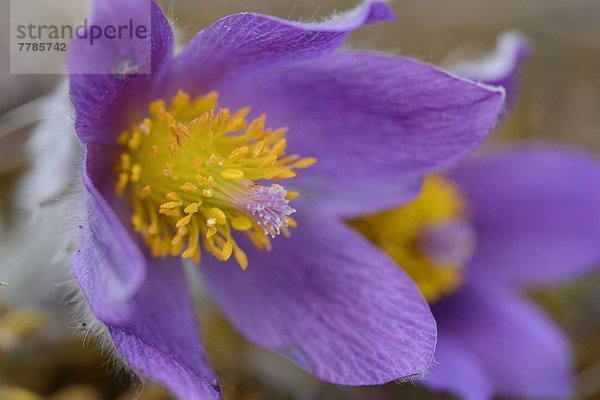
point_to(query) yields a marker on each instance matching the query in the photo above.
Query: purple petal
(331, 302)
(144, 303)
(374, 122)
(104, 103)
(108, 265)
(458, 370)
(524, 354)
(536, 212)
(162, 340)
(503, 67)
(353, 202)
(242, 41)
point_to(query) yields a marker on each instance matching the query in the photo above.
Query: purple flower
(475, 239)
(170, 173)
(534, 210)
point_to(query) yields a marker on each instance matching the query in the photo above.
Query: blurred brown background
(560, 101)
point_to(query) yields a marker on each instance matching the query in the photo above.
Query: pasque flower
(477, 237)
(474, 240)
(243, 154)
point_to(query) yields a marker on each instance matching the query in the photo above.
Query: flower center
(430, 237)
(193, 172)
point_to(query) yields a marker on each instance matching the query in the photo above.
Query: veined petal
(502, 67)
(331, 302)
(162, 341)
(373, 121)
(242, 41)
(105, 103)
(458, 370)
(536, 211)
(524, 354)
(108, 265)
(152, 324)
(356, 201)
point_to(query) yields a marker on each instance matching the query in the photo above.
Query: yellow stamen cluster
(194, 172)
(401, 232)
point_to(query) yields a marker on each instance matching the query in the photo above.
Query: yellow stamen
(292, 195)
(241, 223)
(184, 221)
(227, 250)
(305, 163)
(189, 187)
(211, 225)
(191, 171)
(218, 215)
(232, 173)
(192, 208)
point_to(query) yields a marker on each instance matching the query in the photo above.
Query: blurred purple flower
(534, 210)
(498, 224)
(325, 297)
